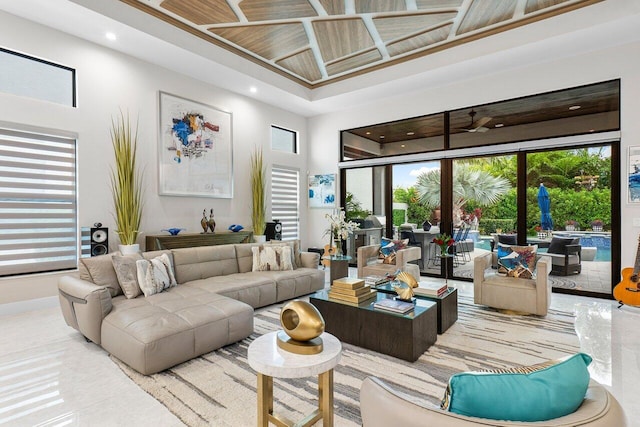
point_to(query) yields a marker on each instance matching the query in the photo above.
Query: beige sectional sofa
(211, 307)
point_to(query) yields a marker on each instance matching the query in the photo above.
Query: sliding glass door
(569, 215)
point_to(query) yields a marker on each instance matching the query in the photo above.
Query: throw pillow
(512, 257)
(388, 249)
(271, 258)
(558, 245)
(536, 393)
(99, 270)
(289, 243)
(508, 239)
(155, 275)
(126, 271)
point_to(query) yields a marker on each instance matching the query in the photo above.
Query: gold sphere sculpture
(301, 320)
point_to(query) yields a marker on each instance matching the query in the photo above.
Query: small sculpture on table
(302, 326)
(211, 223)
(405, 293)
(204, 222)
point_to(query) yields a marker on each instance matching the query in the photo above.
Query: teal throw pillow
(535, 393)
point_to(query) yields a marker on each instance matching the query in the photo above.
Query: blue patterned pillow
(511, 257)
(535, 393)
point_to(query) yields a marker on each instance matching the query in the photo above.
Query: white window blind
(285, 200)
(38, 213)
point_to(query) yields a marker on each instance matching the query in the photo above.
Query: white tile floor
(49, 375)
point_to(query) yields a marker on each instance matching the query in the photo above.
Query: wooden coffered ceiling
(315, 42)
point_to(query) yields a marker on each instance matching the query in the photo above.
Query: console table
(154, 242)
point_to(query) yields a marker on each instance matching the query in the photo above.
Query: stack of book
(351, 290)
(430, 289)
(375, 280)
(393, 305)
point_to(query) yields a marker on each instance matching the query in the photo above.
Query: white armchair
(370, 265)
(382, 406)
(510, 293)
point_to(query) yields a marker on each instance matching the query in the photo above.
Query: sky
(405, 175)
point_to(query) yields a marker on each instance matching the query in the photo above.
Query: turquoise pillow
(536, 393)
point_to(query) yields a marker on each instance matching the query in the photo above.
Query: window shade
(285, 200)
(38, 212)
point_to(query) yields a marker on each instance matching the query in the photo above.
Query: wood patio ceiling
(315, 42)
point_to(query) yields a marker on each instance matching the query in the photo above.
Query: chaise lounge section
(211, 307)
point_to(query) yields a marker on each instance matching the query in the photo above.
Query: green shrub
(398, 216)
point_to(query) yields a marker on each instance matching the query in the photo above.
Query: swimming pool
(600, 241)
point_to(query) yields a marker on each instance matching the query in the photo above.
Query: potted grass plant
(258, 208)
(126, 184)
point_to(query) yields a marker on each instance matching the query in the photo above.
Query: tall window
(285, 197)
(284, 140)
(38, 212)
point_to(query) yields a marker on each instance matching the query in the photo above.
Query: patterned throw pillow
(534, 393)
(271, 258)
(516, 258)
(155, 275)
(127, 273)
(388, 249)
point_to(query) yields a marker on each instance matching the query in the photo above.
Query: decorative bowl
(173, 231)
(235, 228)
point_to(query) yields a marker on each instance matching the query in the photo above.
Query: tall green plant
(126, 181)
(258, 209)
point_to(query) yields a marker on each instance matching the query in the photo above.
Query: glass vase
(338, 245)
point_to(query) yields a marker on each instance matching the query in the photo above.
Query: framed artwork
(195, 151)
(634, 175)
(322, 191)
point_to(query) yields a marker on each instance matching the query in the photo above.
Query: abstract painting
(195, 156)
(322, 191)
(634, 174)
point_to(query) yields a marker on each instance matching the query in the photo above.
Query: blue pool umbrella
(545, 208)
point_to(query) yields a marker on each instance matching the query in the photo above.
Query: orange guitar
(628, 290)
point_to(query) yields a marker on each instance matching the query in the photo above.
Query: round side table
(270, 361)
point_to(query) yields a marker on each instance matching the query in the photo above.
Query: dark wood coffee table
(447, 305)
(405, 336)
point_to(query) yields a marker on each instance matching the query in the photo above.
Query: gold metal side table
(270, 361)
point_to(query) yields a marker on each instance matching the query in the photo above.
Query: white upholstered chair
(370, 265)
(381, 406)
(510, 293)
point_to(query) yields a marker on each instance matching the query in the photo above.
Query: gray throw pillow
(99, 270)
(125, 267)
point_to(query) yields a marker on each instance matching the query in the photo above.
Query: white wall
(109, 81)
(618, 62)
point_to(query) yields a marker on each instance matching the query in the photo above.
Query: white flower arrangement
(339, 227)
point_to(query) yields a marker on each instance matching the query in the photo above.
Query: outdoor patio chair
(565, 254)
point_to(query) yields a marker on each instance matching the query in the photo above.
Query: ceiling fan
(478, 125)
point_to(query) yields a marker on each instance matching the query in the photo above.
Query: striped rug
(219, 388)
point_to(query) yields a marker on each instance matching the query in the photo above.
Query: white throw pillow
(271, 258)
(155, 275)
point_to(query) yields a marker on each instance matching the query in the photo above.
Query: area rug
(219, 388)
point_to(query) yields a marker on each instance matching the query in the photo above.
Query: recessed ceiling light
(411, 133)
(368, 133)
(402, 145)
(381, 136)
(110, 36)
(499, 125)
(253, 89)
(574, 107)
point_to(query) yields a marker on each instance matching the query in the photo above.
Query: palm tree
(468, 184)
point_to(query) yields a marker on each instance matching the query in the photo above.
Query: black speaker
(99, 240)
(273, 231)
